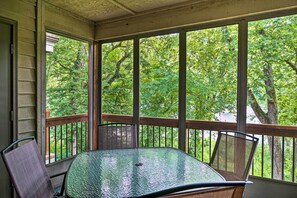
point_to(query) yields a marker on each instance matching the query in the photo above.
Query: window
(211, 83)
(159, 56)
(66, 77)
(66, 96)
(213, 64)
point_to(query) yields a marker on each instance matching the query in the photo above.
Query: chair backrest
(27, 170)
(233, 154)
(117, 135)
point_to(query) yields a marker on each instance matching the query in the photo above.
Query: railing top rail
(257, 129)
(55, 121)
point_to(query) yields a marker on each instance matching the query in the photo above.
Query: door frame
(14, 78)
(14, 82)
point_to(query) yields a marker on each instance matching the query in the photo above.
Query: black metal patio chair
(233, 154)
(27, 170)
(117, 135)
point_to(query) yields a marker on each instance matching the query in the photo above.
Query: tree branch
(118, 67)
(292, 65)
(261, 115)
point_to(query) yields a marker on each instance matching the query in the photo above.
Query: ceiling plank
(122, 7)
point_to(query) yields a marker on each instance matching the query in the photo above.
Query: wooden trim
(182, 135)
(99, 90)
(14, 79)
(257, 129)
(163, 122)
(210, 125)
(91, 85)
(136, 85)
(242, 75)
(272, 130)
(66, 119)
(97, 56)
(209, 12)
(40, 77)
(117, 118)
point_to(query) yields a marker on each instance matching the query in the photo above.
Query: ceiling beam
(123, 7)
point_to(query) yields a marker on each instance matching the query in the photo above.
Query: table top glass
(134, 172)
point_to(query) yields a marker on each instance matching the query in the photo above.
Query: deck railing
(65, 136)
(201, 138)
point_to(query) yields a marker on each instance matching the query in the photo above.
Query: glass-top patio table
(135, 172)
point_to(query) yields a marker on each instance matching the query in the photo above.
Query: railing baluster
(66, 133)
(195, 146)
(86, 136)
(202, 145)
(121, 146)
(71, 139)
(294, 160)
(147, 136)
(126, 136)
(226, 160)
(272, 157)
(210, 140)
(262, 156)
(283, 157)
(159, 136)
(188, 140)
(49, 145)
(55, 143)
(142, 134)
(153, 136)
(61, 145)
(165, 137)
(171, 136)
(81, 137)
(76, 138)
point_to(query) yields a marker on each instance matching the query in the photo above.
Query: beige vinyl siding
(24, 13)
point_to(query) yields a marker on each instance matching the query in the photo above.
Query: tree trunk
(271, 117)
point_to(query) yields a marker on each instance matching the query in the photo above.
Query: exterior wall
(32, 16)
(204, 12)
(24, 13)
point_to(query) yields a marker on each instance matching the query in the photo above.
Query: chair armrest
(58, 194)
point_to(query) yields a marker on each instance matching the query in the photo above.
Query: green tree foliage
(211, 72)
(272, 77)
(67, 78)
(159, 76)
(272, 56)
(117, 77)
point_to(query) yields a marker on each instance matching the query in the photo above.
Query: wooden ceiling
(102, 10)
